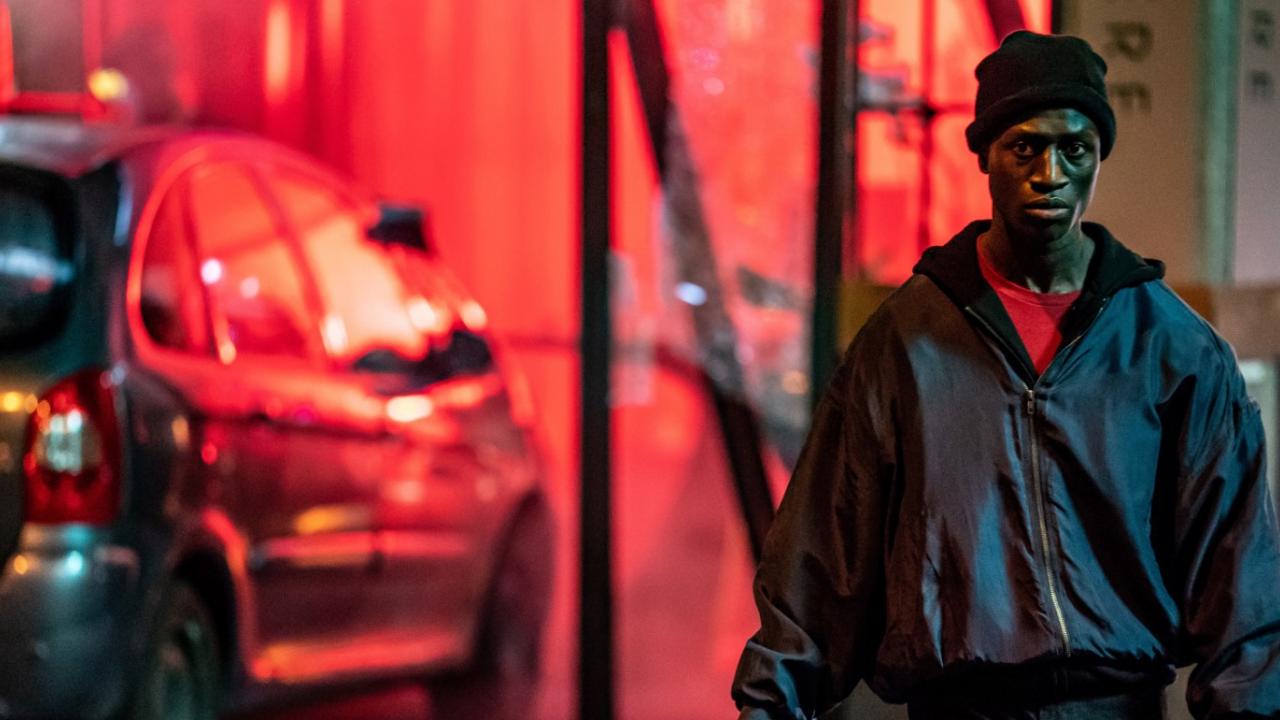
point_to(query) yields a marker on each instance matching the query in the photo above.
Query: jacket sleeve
(1227, 554)
(819, 586)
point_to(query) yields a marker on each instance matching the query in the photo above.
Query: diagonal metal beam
(1006, 16)
(717, 338)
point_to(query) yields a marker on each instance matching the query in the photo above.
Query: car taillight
(72, 456)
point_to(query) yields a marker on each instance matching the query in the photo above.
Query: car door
(443, 468)
(371, 341)
(282, 448)
(463, 465)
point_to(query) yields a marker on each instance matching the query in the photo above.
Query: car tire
(180, 678)
(502, 680)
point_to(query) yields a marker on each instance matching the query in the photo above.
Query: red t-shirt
(1036, 316)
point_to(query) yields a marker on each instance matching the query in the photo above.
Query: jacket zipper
(1036, 481)
(1041, 494)
(1042, 513)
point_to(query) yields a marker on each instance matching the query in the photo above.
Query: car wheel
(502, 680)
(180, 678)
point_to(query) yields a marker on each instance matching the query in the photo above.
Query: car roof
(72, 147)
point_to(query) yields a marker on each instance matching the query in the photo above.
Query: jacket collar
(953, 267)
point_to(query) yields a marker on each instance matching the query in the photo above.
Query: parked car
(253, 441)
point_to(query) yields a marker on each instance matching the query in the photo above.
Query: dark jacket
(957, 521)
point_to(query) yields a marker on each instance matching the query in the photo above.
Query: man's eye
(1076, 150)
(1022, 148)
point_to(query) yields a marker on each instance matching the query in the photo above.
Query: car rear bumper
(67, 605)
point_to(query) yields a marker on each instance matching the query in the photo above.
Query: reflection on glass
(240, 242)
(739, 201)
(366, 302)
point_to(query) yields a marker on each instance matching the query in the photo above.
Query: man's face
(1041, 173)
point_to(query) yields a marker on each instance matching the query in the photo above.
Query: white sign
(1257, 247)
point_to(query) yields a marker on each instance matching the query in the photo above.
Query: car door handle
(274, 413)
(266, 412)
(263, 407)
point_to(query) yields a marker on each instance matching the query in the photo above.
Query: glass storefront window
(918, 184)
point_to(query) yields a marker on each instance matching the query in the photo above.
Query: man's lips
(1048, 203)
(1050, 208)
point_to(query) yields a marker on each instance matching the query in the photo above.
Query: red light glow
(209, 453)
(465, 392)
(426, 317)
(410, 491)
(72, 456)
(301, 662)
(278, 53)
(410, 408)
(7, 84)
(473, 315)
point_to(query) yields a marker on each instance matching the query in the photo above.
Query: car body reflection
(263, 453)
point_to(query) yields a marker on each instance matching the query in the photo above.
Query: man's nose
(1047, 174)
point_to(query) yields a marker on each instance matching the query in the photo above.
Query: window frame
(178, 192)
(313, 356)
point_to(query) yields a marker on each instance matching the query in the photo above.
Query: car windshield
(35, 268)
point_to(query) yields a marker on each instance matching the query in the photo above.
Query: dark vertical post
(595, 649)
(834, 168)
(1056, 16)
(928, 115)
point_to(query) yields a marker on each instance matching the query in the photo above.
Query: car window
(35, 264)
(173, 309)
(363, 296)
(450, 320)
(252, 275)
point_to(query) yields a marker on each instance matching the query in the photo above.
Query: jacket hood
(953, 267)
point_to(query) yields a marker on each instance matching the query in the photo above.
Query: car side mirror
(404, 225)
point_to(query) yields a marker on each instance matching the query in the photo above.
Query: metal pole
(928, 114)
(595, 638)
(834, 168)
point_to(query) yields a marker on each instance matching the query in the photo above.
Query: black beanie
(1030, 72)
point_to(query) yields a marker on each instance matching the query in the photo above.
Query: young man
(1036, 483)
